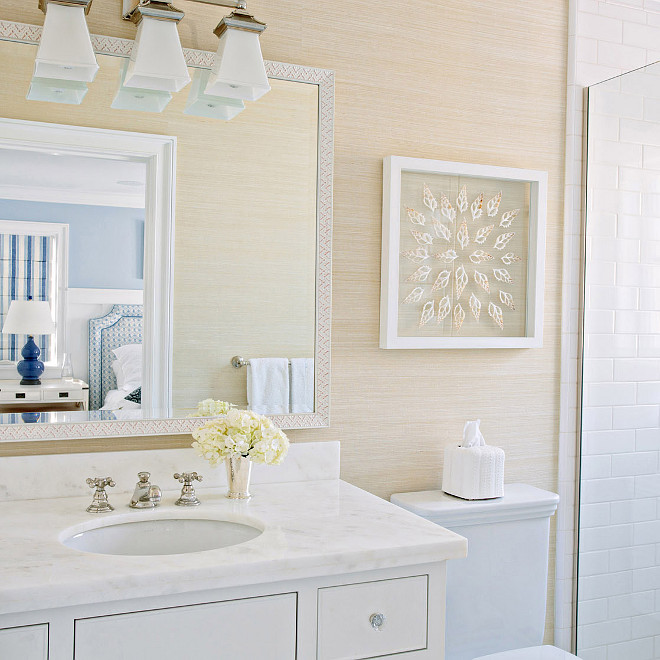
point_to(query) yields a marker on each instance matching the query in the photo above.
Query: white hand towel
(302, 385)
(268, 386)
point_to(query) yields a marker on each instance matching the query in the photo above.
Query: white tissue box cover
(474, 473)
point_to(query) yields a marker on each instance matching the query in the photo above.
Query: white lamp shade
(29, 317)
(133, 98)
(57, 91)
(157, 60)
(238, 70)
(213, 107)
(65, 50)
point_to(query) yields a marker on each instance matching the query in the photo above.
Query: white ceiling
(71, 179)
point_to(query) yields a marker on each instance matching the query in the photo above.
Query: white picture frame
(392, 287)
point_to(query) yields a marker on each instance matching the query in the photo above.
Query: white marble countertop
(311, 528)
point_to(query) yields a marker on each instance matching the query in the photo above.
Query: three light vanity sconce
(66, 64)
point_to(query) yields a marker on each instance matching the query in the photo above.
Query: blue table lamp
(29, 317)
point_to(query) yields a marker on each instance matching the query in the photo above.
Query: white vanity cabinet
(372, 614)
(24, 642)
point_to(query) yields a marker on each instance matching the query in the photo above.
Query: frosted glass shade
(29, 317)
(57, 91)
(133, 98)
(157, 60)
(65, 50)
(238, 70)
(213, 107)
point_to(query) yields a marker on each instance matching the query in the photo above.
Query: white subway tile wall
(619, 596)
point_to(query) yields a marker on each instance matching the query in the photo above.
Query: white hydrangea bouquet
(240, 438)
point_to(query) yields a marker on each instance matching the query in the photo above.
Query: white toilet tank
(496, 598)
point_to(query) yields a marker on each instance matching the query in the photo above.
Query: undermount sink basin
(161, 536)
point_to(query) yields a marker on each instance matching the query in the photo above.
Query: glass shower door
(619, 526)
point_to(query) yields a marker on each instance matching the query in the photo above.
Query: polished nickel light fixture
(65, 50)
(157, 61)
(238, 71)
(157, 68)
(65, 60)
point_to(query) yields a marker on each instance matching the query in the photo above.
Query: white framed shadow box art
(463, 255)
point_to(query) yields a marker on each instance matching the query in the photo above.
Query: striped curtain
(26, 270)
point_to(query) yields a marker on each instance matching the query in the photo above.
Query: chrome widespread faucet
(145, 495)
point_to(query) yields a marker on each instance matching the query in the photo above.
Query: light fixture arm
(129, 9)
(235, 4)
(150, 8)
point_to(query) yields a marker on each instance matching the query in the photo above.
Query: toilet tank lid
(520, 501)
(531, 653)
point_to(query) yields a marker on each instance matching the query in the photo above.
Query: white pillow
(119, 374)
(116, 400)
(130, 358)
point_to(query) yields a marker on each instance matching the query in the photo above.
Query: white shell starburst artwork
(469, 268)
(463, 255)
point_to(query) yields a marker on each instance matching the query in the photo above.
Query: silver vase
(238, 477)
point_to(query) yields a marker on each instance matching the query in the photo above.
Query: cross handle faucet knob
(100, 482)
(188, 496)
(100, 502)
(187, 477)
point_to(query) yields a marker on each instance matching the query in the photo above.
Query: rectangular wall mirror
(174, 250)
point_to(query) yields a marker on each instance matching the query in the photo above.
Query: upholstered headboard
(120, 326)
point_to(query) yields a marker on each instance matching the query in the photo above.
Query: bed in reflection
(115, 362)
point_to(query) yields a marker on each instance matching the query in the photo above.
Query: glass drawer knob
(377, 621)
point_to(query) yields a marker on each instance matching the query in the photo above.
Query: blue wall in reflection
(106, 244)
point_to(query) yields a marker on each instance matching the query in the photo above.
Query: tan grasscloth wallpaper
(478, 81)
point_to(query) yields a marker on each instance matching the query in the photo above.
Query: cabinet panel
(24, 643)
(348, 618)
(244, 629)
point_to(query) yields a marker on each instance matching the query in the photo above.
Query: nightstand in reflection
(54, 394)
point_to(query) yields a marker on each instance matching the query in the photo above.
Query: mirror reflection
(72, 235)
(243, 256)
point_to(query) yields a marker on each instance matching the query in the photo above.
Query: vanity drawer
(345, 616)
(64, 395)
(22, 395)
(244, 629)
(24, 643)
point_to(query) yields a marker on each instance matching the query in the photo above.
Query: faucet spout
(145, 496)
(155, 493)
